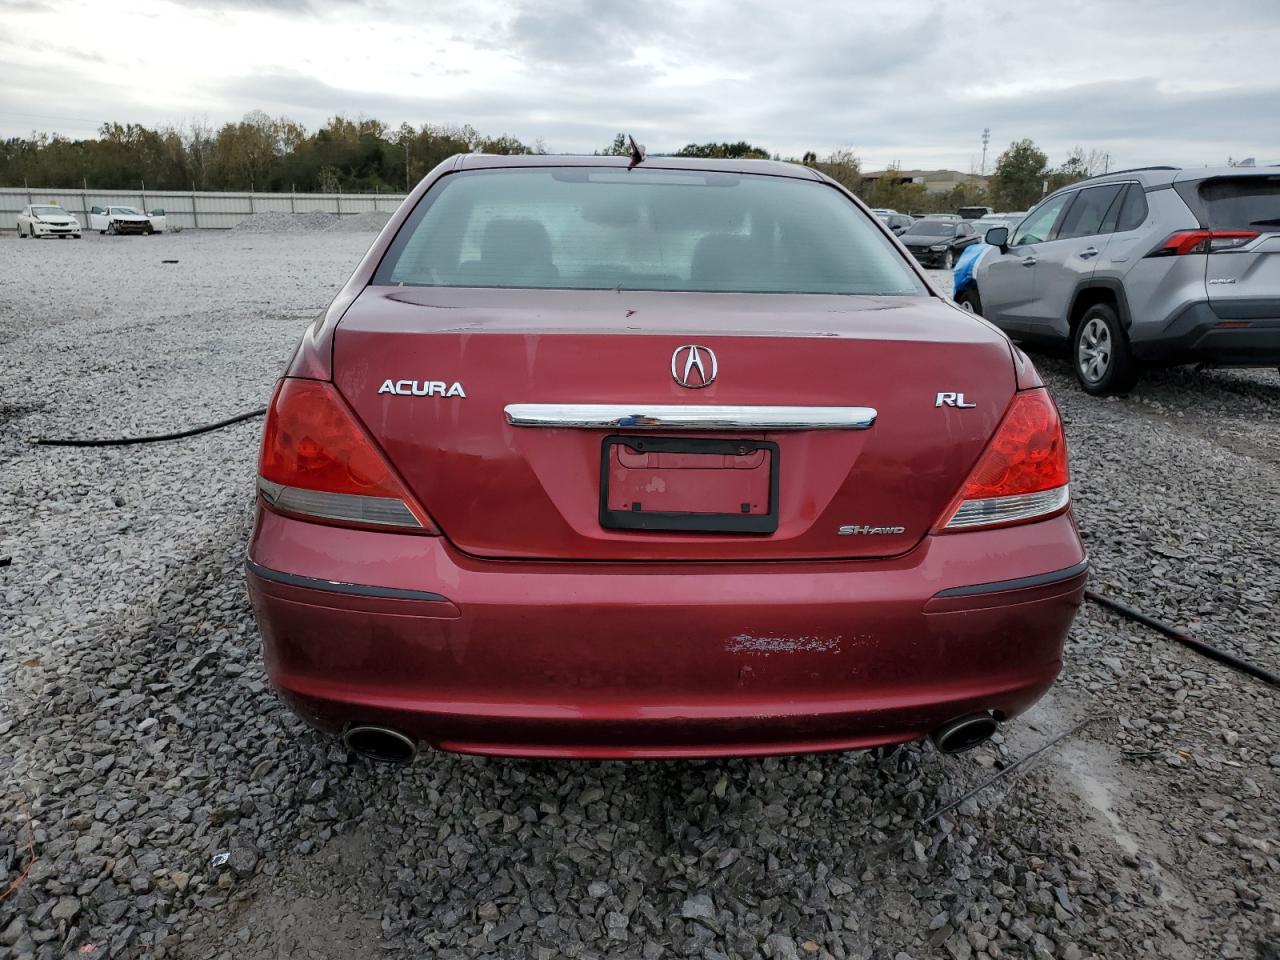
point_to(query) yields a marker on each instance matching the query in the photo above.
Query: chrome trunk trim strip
(647, 416)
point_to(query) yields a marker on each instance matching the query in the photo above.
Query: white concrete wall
(189, 209)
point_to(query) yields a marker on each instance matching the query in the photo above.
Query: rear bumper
(659, 660)
(1226, 334)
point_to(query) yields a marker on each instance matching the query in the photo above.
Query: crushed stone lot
(156, 800)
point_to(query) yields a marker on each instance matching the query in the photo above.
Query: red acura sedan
(677, 458)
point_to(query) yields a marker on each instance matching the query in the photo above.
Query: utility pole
(986, 137)
(1106, 163)
(406, 164)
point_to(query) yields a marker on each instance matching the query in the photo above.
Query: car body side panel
(1158, 289)
(1064, 265)
(1007, 287)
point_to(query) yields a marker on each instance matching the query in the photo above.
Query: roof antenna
(637, 151)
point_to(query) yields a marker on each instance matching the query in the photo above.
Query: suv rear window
(598, 228)
(1237, 203)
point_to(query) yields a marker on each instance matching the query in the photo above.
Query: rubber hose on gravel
(1199, 646)
(157, 438)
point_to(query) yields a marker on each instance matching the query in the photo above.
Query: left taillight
(1021, 476)
(319, 463)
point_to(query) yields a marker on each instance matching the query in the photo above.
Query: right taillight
(1186, 242)
(1021, 475)
(318, 463)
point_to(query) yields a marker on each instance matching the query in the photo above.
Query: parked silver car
(1150, 266)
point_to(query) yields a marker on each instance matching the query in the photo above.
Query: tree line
(1022, 176)
(259, 153)
(276, 154)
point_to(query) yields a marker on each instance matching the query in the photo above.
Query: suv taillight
(317, 462)
(1202, 241)
(1021, 475)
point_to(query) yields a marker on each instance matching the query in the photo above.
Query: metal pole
(293, 190)
(195, 214)
(338, 198)
(251, 197)
(144, 194)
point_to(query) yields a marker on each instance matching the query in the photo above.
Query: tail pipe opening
(380, 743)
(964, 733)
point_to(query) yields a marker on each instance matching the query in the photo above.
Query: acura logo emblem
(694, 366)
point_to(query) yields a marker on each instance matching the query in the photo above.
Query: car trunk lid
(501, 487)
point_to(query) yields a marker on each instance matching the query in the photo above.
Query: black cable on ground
(1199, 646)
(1016, 765)
(158, 438)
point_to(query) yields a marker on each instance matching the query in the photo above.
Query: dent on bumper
(608, 660)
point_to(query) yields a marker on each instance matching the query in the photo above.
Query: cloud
(913, 81)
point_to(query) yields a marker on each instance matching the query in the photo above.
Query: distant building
(935, 181)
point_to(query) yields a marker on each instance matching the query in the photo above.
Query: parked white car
(47, 220)
(119, 220)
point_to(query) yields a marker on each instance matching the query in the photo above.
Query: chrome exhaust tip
(964, 733)
(380, 743)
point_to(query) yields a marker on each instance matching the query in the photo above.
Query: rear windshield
(1242, 202)
(602, 228)
(933, 228)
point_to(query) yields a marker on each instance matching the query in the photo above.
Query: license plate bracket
(689, 484)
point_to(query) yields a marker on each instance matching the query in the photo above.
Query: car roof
(771, 168)
(1161, 176)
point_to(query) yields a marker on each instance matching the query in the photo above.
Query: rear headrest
(522, 240)
(724, 256)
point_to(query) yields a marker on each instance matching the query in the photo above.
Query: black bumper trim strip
(1021, 583)
(333, 586)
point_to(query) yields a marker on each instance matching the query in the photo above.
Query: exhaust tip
(964, 733)
(380, 743)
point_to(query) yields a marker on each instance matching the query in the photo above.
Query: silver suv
(1149, 266)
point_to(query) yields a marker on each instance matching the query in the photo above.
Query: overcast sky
(909, 81)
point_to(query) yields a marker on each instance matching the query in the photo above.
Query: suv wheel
(970, 300)
(1100, 353)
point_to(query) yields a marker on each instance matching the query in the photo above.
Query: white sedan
(47, 220)
(119, 220)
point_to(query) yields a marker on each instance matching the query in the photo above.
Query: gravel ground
(176, 809)
(274, 221)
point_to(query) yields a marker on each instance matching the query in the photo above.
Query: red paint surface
(561, 638)
(521, 492)
(645, 660)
